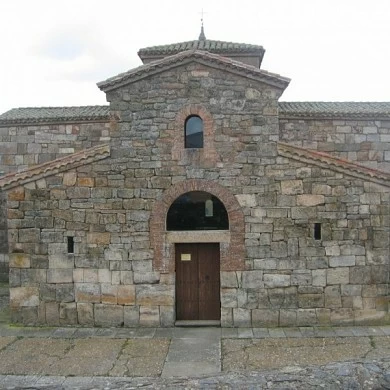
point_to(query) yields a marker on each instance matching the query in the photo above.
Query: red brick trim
(206, 156)
(232, 254)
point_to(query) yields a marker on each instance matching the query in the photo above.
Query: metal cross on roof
(202, 36)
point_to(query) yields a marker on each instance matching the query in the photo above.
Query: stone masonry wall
(23, 146)
(364, 141)
(287, 277)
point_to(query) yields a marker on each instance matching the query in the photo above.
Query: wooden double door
(198, 282)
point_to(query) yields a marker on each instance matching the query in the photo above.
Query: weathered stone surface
(108, 315)
(149, 316)
(265, 318)
(19, 260)
(310, 200)
(277, 280)
(24, 296)
(156, 294)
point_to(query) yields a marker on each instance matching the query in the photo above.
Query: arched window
(197, 210)
(193, 132)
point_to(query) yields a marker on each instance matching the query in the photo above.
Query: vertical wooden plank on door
(187, 292)
(209, 282)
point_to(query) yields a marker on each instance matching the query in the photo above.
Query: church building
(197, 198)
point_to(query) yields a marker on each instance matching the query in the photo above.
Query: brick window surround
(206, 156)
(232, 250)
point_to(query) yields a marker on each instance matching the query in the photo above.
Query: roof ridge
(38, 107)
(345, 166)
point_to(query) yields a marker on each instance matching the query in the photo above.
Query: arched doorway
(197, 264)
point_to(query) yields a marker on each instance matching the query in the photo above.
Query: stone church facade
(196, 196)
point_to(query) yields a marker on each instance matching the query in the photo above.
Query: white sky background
(53, 52)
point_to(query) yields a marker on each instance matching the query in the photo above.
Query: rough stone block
(131, 316)
(68, 313)
(19, 260)
(310, 200)
(16, 194)
(104, 276)
(323, 316)
(342, 261)
(226, 317)
(287, 317)
(229, 297)
(319, 277)
(338, 276)
(301, 278)
(277, 280)
(126, 295)
(332, 297)
(109, 293)
(265, 318)
(149, 316)
(64, 292)
(85, 313)
(60, 275)
(167, 316)
(252, 279)
(307, 301)
(87, 292)
(306, 317)
(242, 317)
(52, 313)
(292, 187)
(229, 279)
(69, 178)
(108, 315)
(61, 260)
(155, 294)
(246, 200)
(24, 296)
(342, 316)
(99, 238)
(146, 277)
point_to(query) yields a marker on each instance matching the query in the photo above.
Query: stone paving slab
(274, 353)
(140, 357)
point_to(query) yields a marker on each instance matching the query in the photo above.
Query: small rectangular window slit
(70, 245)
(317, 231)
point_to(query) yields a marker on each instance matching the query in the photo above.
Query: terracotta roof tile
(335, 109)
(325, 160)
(52, 167)
(207, 45)
(54, 114)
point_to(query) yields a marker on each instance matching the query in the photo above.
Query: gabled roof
(321, 110)
(209, 45)
(335, 110)
(54, 114)
(50, 168)
(325, 160)
(204, 57)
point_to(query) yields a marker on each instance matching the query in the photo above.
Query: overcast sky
(53, 52)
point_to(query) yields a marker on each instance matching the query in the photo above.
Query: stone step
(197, 323)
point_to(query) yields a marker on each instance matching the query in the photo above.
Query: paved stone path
(114, 358)
(194, 358)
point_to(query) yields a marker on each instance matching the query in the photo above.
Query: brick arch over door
(232, 253)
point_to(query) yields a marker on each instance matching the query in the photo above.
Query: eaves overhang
(209, 59)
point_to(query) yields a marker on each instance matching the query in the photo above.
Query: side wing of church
(196, 197)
